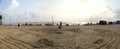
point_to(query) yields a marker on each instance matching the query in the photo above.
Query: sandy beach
(50, 37)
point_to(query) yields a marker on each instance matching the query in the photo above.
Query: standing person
(18, 24)
(60, 26)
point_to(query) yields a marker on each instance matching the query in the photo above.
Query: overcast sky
(16, 11)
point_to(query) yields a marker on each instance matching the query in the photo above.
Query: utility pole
(4, 19)
(91, 21)
(26, 16)
(52, 20)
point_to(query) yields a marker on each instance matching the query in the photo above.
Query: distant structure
(48, 24)
(26, 23)
(0, 19)
(87, 24)
(118, 22)
(102, 22)
(67, 24)
(110, 23)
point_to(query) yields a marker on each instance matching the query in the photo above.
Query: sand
(50, 37)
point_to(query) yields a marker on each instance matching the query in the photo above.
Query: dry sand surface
(50, 37)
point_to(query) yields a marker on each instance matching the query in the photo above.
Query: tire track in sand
(11, 43)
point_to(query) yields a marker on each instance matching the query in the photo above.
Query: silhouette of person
(18, 25)
(60, 26)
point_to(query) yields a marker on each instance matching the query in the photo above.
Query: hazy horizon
(16, 11)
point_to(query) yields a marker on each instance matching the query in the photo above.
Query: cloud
(117, 13)
(72, 11)
(68, 11)
(42, 14)
(13, 4)
(76, 11)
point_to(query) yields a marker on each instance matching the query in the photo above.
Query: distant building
(110, 23)
(102, 22)
(118, 22)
